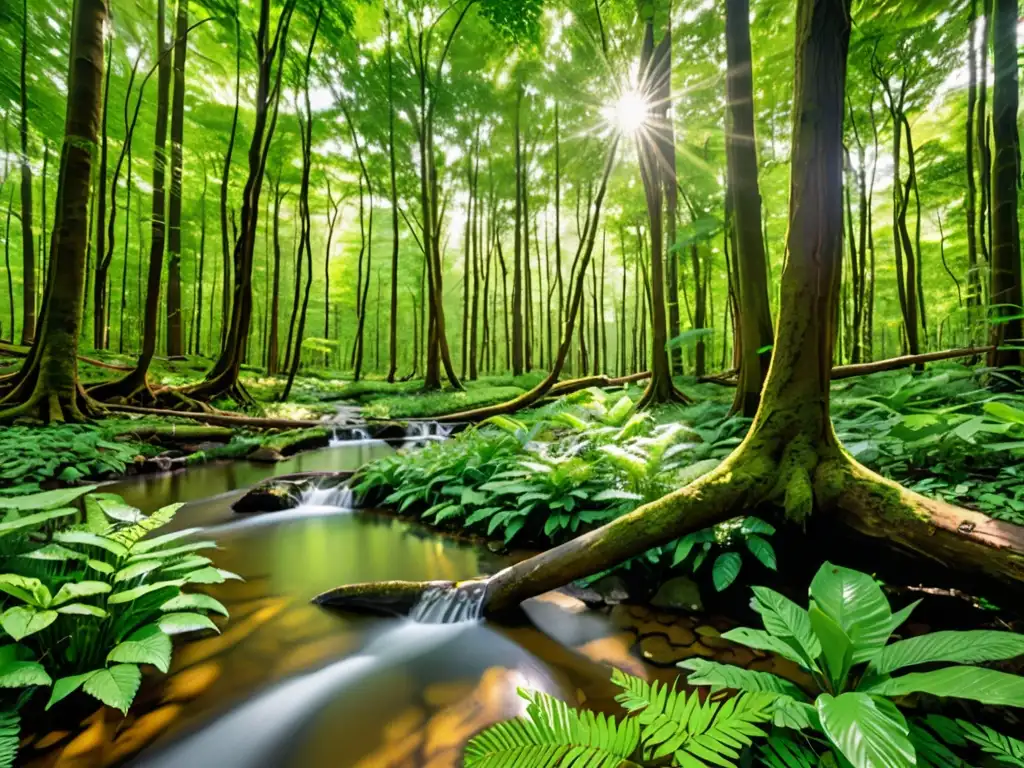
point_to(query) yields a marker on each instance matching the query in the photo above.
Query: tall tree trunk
(47, 385)
(174, 334)
(306, 133)
(476, 255)
(28, 259)
(517, 254)
(227, 244)
(973, 276)
(273, 342)
(755, 322)
(984, 150)
(100, 328)
(392, 165)
(1006, 294)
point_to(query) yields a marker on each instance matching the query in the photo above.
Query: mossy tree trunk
(791, 457)
(755, 321)
(175, 347)
(47, 386)
(28, 263)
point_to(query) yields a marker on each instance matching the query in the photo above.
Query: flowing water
(288, 683)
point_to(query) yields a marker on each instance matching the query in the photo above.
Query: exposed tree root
(661, 395)
(605, 382)
(789, 475)
(46, 406)
(219, 387)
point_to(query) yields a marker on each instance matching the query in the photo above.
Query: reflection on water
(291, 684)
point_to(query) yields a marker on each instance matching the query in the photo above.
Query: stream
(290, 684)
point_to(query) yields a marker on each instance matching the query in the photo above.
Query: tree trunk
(517, 254)
(28, 259)
(47, 385)
(1006, 295)
(174, 330)
(100, 328)
(973, 276)
(273, 342)
(227, 243)
(393, 329)
(755, 322)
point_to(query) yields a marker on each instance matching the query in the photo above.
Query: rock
(273, 496)
(612, 589)
(678, 594)
(266, 455)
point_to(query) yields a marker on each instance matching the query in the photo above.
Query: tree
(791, 457)
(47, 385)
(1006, 295)
(755, 322)
(28, 294)
(174, 327)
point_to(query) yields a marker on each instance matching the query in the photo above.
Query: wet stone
(678, 594)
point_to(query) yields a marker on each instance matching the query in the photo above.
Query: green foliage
(85, 604)
(662, 726)
(567, 468)
(842, 640)
(30, 456)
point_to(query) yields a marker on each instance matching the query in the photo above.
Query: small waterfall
(428, 430)
(338, 497)
(450, 606)
(344, 435)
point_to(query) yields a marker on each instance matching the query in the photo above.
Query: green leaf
(178, 623)
(194, 602)
(836, 646)
(134, 594)
(82, 609)
(65, 686)
(32, 521)
(726, 569)
(870, 733)
(763, 551)
(857, 604)
(788, 621)
(720, 676)
(26, 588)
(45, 500)
(762, 641)
(93, 540)
(137, 569)
(970, 647)
(10, 729)
(22, 674)
(147, 645)
(1008, 751)
(116, 686)
(149, 545)
(76, 589)
(22, 621)
(988, 686)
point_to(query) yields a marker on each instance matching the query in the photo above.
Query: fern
(10, 724)
(784, 750)
(1005, 749)
(672, 723)
(553, 734)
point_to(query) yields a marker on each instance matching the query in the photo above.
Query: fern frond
(712, 733)
(10, 726)
(553, 734)
(132, 534)
(1006, 749)
(784, 750)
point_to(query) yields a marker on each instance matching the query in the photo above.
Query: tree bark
(174, 325)
(393, 327)
(1006, 295)
(755, 322)
(28, 259)
(227, 244)
(517, 248)
(47, 385)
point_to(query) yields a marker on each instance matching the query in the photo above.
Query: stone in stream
(277, 494)
(678, 594)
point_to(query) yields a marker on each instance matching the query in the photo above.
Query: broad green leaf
(32, 521)
(836, 646)
(22, 621)
(762, 550)
(137, 569)
(54, 553)
(26, 588)
(149, 545)
(856, 603)
(726, 569)
(45, 500)
(115, 686)
(65, 686)
(184, 549)
(147, 645)
(82, 609)
(988, 686)
(194, 602)
(178, 623)
(762, 641)
(869, 732)
(970, 647)
(93, 540)
(76, 589)
(787, 620)
(22, 674)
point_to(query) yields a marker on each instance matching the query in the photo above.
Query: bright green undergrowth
(88, 597)
(569, 467)
(854, 717)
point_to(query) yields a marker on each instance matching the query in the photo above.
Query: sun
(628, 113)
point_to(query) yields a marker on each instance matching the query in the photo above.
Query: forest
(499, 383)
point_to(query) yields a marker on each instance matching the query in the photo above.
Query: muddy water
(290, 684)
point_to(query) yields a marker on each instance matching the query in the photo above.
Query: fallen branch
(222, 419)
(575, 385)
(893, 363)
(17, 351)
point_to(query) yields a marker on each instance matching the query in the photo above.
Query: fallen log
(575, 385)
(222, 419)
